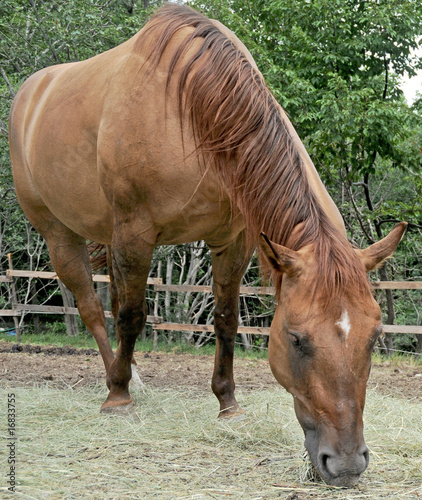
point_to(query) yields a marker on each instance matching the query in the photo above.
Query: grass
(86, 341)
(80, 341)
(55, 334)
(173, 447)
(396, 359)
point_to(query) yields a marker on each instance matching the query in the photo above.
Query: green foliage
(37, 34)
(54, 329)
(335, 68)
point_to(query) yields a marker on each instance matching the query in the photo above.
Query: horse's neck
(314, 180)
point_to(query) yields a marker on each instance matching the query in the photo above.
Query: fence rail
(157, 322)
(46, 275)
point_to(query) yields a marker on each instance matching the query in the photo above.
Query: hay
(173, 447)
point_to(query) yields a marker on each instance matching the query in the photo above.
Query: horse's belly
(216, 226)
(182, 209)
(92, 224)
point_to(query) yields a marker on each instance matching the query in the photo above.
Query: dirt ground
(64, 367)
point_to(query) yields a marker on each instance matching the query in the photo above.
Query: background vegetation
(334, 65)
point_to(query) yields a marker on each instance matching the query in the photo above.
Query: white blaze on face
(344, 324)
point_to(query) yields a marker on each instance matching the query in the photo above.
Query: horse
(174, 137)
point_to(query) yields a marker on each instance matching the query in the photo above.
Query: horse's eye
(295, 340)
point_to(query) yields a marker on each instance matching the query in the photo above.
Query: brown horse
(173, 137)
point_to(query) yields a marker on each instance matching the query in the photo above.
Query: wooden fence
(157, 322)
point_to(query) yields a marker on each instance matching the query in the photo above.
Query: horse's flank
(239, 129)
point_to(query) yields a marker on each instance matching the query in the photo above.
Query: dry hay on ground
(173, 447)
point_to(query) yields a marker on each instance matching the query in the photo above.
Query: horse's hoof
(117, 407)
(232, 414)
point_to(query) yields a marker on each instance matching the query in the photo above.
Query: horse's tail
(97, 256)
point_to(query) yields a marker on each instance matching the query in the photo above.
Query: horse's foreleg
(228, 267)
(131, 258)
(114, 298)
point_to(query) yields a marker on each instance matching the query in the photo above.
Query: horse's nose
(343, 469)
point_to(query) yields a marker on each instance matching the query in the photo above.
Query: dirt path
(67, 367)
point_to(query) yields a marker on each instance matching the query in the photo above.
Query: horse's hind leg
(131, 258)
(70, 259)
(228, 267)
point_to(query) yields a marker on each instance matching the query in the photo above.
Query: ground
(63, 367)
(172, 446)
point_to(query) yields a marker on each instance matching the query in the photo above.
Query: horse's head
(320, 351)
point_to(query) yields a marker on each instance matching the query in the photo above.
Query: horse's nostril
(335, 466)
(323, 460)
(365, 455)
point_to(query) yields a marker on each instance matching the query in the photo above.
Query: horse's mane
(241, 134)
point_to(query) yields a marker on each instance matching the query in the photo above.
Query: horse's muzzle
(341, 469)
(337, 468)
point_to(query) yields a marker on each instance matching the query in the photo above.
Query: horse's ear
(280, 258)
(375, 255)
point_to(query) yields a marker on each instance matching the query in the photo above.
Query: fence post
(68, 302)
(156, 303)
(14, 298)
